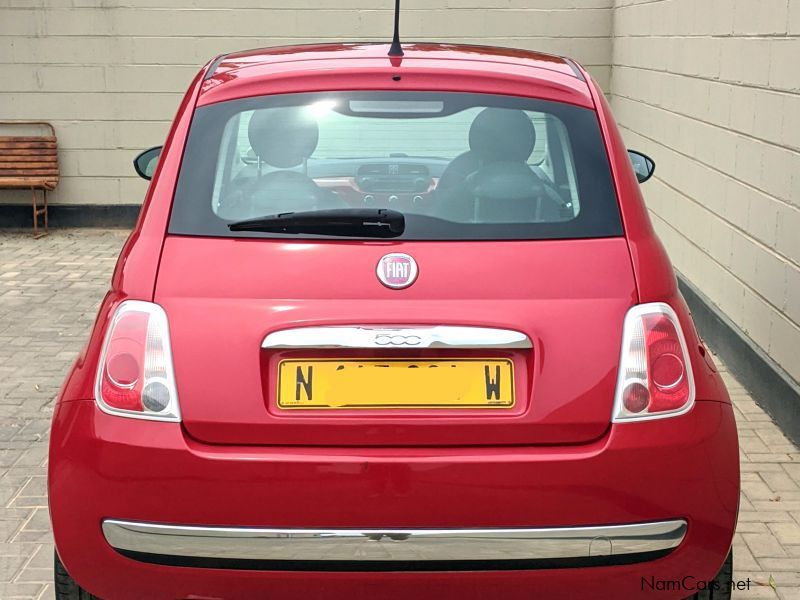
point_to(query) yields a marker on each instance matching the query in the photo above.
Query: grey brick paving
(49, 292)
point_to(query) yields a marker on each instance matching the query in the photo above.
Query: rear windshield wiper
(348, 222)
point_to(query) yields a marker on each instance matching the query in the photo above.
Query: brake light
(135, 376)
(655, 373)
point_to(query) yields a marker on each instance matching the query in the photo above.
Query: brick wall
(711, 89)
(110, 73)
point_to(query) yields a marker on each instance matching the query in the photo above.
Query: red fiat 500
(393, 327)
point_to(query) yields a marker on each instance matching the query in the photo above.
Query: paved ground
(49, 292)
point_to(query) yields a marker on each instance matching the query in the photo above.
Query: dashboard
(396, 182)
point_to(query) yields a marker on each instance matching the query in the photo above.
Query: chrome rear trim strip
(389, 546)
(364, 336)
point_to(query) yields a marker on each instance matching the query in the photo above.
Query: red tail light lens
(135, 376)
(655, 374)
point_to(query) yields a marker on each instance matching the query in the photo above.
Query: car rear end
(485, 401)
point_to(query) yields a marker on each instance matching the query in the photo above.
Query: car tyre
(719, 588)
(66, 586)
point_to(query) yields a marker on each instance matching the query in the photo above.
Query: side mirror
(145, 164)
(643, 165)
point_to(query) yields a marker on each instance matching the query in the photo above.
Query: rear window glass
(458, 166)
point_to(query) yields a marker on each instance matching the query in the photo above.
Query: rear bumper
(105, 469)
(391, 550)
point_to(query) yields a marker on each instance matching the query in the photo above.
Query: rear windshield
(458, 166)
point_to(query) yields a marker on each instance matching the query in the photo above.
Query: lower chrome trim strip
(389, 549)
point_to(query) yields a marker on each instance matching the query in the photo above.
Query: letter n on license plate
(390, 383)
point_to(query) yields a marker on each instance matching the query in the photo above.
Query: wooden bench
(30, 162)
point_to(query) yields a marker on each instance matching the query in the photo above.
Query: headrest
(283, 137)
(502, 134)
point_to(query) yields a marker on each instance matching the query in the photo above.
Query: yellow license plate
(456, 383)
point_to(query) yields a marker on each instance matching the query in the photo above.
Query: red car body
(555, 460)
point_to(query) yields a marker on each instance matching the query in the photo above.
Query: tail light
(135, 376)
(655, 374)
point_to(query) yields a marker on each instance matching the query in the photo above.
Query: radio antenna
(396, 49)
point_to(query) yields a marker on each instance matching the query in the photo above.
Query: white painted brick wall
(109, 74)
(711, 89)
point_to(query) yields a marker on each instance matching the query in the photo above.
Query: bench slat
(28, 182)
(27, 172)
(27, 145)
(15, 142)
(28, 166)
(51, 156)
(28, 152)
(9, 157)
(31, 158)
(27, 138)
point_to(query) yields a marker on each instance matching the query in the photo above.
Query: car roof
(238, 74)
(341, 51)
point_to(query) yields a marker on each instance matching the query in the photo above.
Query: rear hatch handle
(439, 336)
